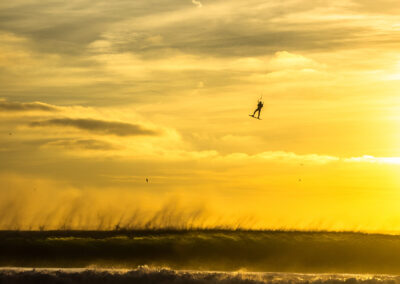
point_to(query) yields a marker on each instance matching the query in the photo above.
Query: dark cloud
(30, 145)
(89, 144)
(98, 126)
(17, 106)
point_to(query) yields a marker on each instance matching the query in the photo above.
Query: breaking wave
(214, 250)
(146, 274)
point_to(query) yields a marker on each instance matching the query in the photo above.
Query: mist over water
(48, 206)
(34, 204)
(91, 212)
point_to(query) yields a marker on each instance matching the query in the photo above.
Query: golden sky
(97, 96)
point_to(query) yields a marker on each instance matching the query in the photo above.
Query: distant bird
(299, 179)
(147, 180)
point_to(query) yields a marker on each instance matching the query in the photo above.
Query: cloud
(375, 160)
(88, 144)
(17, 106)
(49, 58)
(287, 60)
(98, 126)
(197, 3)
(388, 7)
(234, 29)
(283, 157)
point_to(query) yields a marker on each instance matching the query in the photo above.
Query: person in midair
(258, 109)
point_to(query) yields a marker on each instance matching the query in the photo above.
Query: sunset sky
(97, 96)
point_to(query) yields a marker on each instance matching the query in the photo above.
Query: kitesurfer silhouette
(258, 109)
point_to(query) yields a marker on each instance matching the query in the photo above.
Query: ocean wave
(147, 275)
(304, 252)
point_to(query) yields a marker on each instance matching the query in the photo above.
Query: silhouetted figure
(147, 180)
(258, 109)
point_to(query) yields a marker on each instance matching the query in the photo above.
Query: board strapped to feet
(254, 117)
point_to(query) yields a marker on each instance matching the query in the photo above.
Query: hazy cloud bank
(98, 126)
(18, 106)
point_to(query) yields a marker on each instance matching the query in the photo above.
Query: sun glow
(372, 159)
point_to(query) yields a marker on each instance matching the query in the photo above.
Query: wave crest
(145, 274)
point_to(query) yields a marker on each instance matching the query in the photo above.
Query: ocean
(198, 256)
(165, 275)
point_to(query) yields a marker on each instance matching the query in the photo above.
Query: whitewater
(198, 256)
(145, 274)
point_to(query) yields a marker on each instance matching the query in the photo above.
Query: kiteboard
(254, 117)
